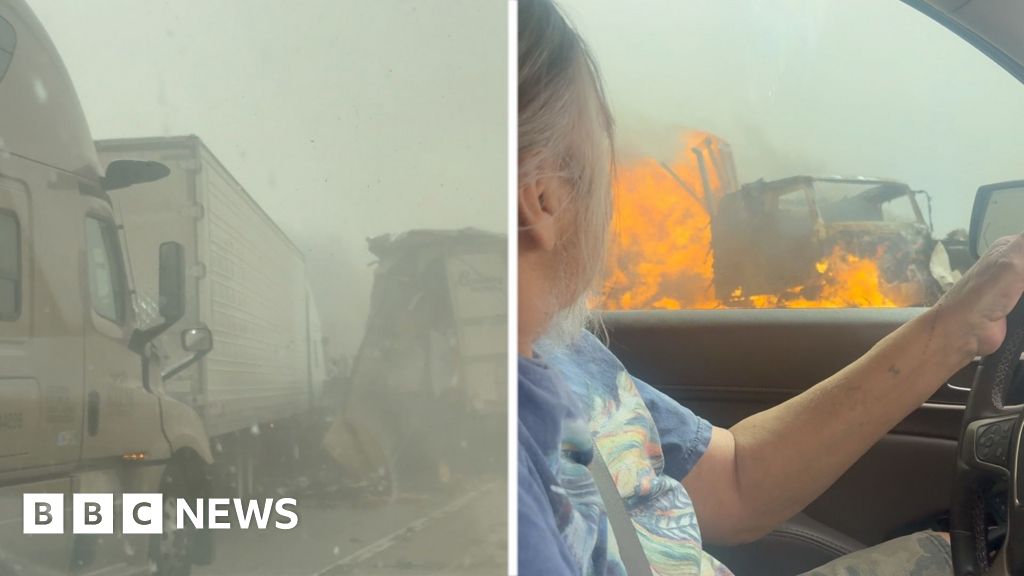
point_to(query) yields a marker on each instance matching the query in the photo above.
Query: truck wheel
(171, 551)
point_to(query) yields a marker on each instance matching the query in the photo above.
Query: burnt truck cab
(778, 237)
(81, 402)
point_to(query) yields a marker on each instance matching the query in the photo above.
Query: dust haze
(343, 120)
(866, 88)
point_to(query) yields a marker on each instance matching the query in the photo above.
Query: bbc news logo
(143, 513)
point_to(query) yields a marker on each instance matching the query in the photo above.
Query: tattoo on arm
(894, 370)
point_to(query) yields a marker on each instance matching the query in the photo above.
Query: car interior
(693, 356)
(728, 364)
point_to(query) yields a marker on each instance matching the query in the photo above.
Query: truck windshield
(875, 202)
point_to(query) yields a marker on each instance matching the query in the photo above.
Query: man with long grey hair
(682, 480)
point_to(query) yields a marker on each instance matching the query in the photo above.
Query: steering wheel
(991, 451)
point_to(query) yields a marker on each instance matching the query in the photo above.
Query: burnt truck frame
(769, 236)
(426, 395)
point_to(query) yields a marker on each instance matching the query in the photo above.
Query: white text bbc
(142, 513)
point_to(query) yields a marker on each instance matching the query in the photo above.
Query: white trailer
(246, 283)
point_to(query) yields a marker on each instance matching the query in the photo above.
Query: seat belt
(631, 552)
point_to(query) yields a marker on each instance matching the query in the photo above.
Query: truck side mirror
(172, 295)
(172, 282)
(197, 340)
(997, 213)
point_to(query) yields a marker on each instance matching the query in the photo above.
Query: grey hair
(564, 126)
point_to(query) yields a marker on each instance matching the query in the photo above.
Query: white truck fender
(184, 428)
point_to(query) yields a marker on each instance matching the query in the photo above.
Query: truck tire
(174, 551)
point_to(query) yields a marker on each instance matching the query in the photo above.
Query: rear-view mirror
(998, 212)
(172, 282)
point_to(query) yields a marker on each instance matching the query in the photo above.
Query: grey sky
(343, 119)
(858, 87)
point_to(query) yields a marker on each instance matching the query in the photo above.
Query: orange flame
(661, 253)
(845, 281)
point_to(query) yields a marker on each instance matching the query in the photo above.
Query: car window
(106, 282)
(10, 266)
(806, 153)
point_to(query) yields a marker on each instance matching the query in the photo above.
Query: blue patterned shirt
(580, 397)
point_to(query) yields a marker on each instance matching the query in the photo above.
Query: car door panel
(726, 365)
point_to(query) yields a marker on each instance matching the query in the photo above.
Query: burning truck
(782, 239)
(801, 241)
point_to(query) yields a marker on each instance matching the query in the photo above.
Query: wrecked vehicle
(769, 238)
(427, 390)
(817, 240)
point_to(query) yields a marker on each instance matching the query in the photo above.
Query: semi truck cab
(81, 401)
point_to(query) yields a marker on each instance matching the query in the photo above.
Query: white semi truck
(245, 281)
(98, 393)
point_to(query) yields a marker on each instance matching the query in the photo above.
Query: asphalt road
(461, 532)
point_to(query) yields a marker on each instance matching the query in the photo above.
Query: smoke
(814, 87)
(344, 120)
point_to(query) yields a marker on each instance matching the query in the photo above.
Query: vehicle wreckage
(426, 399)
(771, 238)
(774, 242)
